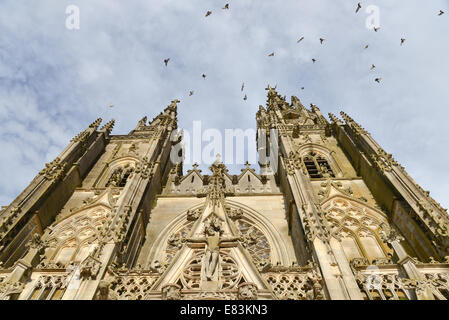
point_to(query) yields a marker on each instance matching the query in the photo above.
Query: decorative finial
(96, 123)
(333, 118)
(108, 126)
(142, 122)
(218, 159)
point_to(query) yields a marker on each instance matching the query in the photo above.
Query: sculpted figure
(213, 240)
(104, 292)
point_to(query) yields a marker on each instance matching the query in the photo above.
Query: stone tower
(330, 215)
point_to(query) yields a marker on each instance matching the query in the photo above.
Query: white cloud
(54, 82)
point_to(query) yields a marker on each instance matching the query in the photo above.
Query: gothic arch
(278, 248)
(173, 227)
(357, 226)
(73, 238)
(121, 162)
(304, 149)
(277, 243)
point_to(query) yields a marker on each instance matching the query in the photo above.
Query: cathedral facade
(113, 218)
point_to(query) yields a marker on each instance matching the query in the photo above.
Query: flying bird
(204, 76)
(271, 54)
(313, 60)
(378, 80)
(366, 47)
(402, 41)
(441, 13)
(359, 6)
(376, 29)
(226, 6)
(208, 13)
(111, 105)
(302, 88)
(243, 85)
(321, 40)
(300, 39)
(245, 97)
(372, 67)
(166, 61)
(191, 93)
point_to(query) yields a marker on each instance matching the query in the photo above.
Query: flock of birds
(322, 40)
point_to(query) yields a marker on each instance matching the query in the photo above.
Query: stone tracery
(72, 239)
(358, 228)
(227, 246)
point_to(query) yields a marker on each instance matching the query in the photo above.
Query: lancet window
(317, 166)
(120, 176)
(358, 229)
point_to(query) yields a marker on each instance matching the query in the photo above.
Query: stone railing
(294, 283)
(46, 285)
(390, 282)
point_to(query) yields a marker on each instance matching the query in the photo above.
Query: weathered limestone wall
(272, 208)
(166, 209)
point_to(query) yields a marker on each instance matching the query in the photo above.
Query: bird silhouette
(166, 61)
(359, 6)
(372, 67)
(300, 39)
(378, 80)
(313, 60)
(321, 40)
(402, 41)
(245, 97)
(208, 13)
(243, 85)
(226, 6)
(111, 105)
(191, 93)
(271, 54)
(204, 76)
(441, 13)
(376, 29)
(302, 88)
(366, 47)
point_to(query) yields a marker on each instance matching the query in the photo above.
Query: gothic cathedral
(112, 217)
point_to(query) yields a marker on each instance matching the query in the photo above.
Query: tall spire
(275, 100)
(173, 106)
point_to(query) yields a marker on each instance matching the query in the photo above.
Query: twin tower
(113, 218)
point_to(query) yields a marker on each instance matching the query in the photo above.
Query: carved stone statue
(171, 291)
(89, 268)
(388, 234)
(212, 239)
(247, 291)
(104, 293)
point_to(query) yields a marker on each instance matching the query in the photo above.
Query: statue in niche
(105, 292)
(213, 238)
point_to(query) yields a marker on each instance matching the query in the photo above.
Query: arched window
(75, 237)
(317, 166)
(357, 230)
(125, 177)
(120, 176)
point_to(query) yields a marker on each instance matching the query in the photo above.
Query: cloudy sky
(55, 81)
